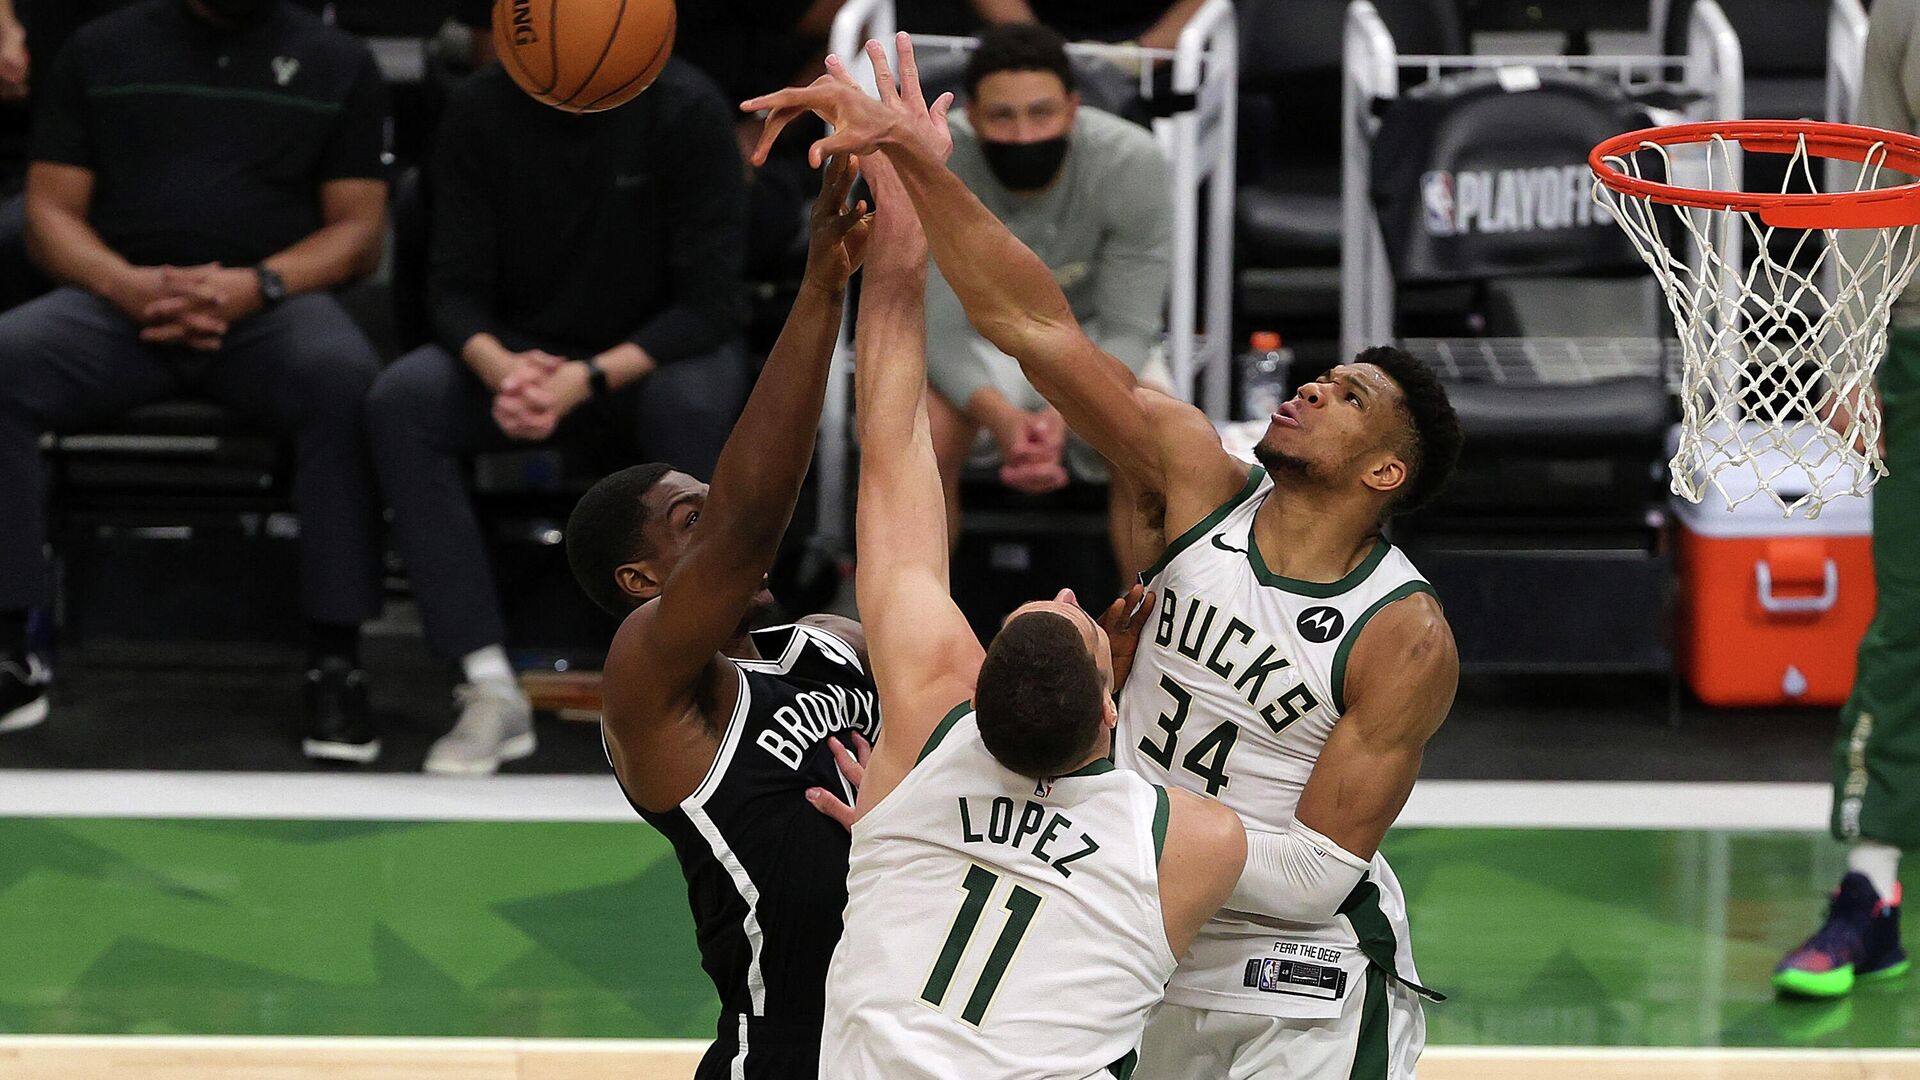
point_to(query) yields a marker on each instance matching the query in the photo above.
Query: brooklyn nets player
(1299, 663)
(1015, 903)
(716, 733)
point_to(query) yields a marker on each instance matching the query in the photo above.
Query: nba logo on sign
(1436, 192)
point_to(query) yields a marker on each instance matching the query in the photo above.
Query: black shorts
(773, 1051)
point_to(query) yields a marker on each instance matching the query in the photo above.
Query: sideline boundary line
(1520, 804)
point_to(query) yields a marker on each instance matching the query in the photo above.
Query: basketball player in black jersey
(716, 733)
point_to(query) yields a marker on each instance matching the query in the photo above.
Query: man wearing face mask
(1091, 195)
(202, 173)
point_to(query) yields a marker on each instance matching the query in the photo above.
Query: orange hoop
(1878, 208)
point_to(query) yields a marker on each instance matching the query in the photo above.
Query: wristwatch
(597, 378)
(273, 287)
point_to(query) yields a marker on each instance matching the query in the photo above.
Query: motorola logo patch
(1321, 624)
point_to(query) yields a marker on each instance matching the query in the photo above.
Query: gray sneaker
(494, 727)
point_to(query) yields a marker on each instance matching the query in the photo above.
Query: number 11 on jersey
(1021, 904)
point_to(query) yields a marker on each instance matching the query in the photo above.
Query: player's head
(629, 531)
(1022, 100)
(1044, 699)
(1381, 426)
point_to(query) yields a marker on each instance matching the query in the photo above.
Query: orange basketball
(584, 55)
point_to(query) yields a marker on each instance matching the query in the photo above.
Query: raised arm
(925, 657)
(1401, 680)
(1010, 295)
(666, 647)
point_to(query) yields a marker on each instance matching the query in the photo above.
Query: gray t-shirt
(1890, 99)
(1105, 228)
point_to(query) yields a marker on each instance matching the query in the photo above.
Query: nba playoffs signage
(1510, 200)
(1473, 180)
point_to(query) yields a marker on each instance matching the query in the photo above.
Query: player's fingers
(1145, 609)
(882, 74)
(940, 109)
(909, 71)
(837, 71)
(840, 142)
(862, 749)
(824, 801)
(839, 182)
(851, 766)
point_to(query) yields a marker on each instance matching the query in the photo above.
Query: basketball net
(1780, 328)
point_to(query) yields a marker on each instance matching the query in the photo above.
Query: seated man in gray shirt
(1091, 194)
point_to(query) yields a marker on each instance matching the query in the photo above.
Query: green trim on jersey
(1339, 679)
(1092, 768)
(1320, 589)
(940, 730)
(1370, 1052)
(1123, 1069)
(1375, 934)
(1206, 524)
(1160, 811)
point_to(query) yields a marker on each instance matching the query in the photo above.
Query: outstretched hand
(853, 766)
(900, 116)
(837, 243)
(1125, 618)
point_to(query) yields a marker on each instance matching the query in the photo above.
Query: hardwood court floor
(136, 1058)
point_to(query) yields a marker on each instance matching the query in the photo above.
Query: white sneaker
(494, 726)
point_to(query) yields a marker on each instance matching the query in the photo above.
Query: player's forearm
(890, 368)
(1009, 294)
(758, 476)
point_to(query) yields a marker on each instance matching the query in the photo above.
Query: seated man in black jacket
(585, 280)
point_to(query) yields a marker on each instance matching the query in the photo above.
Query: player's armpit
(1401, 680)
(1193, 473)
(1205, 850)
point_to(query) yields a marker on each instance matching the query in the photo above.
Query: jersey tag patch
(1298, 977)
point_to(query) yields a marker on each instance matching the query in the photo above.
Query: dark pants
(70, 359)
(429, 412)
(1876, 756)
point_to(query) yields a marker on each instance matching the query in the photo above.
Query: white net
(1780, 329)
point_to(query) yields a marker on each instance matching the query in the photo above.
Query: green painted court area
(1541, 937)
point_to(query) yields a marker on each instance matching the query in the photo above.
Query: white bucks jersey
(997, 929)
(1236, 686)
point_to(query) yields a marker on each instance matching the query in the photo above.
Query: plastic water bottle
(1263, 375)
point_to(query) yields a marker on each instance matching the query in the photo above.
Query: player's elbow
(1024, 334)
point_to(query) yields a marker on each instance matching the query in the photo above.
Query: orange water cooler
(1772, 608)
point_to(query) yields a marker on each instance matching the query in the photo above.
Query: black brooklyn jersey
(766, 872)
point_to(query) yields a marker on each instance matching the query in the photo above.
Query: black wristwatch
(273, 287)
(597, 378)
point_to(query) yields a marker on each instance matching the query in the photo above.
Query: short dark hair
(1019, 47)
(606, 530)
(1435, 446)
(1040, 695)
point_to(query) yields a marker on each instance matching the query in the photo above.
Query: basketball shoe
(495, 726)
(1859, 942)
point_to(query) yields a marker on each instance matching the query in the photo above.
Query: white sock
(1881, 864)
(489, 667)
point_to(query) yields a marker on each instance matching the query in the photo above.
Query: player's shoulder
(1201, 826)
(847, 631)
(1411, 628)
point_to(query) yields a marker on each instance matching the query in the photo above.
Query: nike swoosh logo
(1223, 547)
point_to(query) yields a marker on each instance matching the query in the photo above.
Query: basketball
(584, 55)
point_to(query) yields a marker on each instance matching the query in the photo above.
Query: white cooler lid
(1847, 515)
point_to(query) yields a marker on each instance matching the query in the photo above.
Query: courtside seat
(1287, 208)
(188, 451)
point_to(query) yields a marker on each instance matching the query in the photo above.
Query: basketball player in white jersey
(1298, 665)
(1015, 904)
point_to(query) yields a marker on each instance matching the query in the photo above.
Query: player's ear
(1109, 715)
(641, 580)
(1387, 474)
